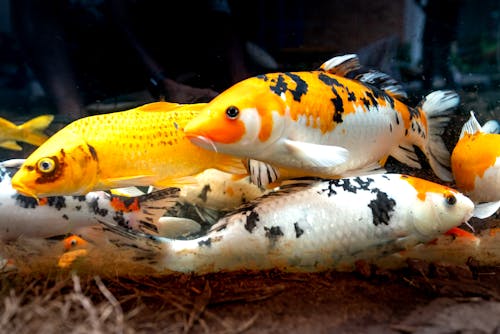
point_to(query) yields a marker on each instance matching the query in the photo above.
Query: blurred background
(75, 58)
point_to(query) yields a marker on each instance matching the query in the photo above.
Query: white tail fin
(438, 107)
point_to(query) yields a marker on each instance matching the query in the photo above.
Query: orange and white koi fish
(330, 122)
(31, 132)
(312, 226)
(475, 163)
(138, 147)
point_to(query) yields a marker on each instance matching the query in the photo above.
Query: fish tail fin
(147, 208)
(146, 248)
(33, 129)
(438, 107)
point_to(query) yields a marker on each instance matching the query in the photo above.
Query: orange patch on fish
(42, 201)
(457, 232)
(485, 148)
(423, 187)
(119, 205)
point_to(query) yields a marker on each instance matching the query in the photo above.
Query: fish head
(438, 208)
(64, 165)
(244, 119)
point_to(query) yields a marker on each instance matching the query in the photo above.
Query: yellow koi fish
(138, 147)
(323, 123)
(475, 163)
(30, 132)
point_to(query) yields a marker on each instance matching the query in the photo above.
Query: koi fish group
(329, 130)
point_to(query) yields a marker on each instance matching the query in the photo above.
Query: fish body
(58, 215)
(138, 147)
(323, 123)
(31, 132)
(475, 162)
(313, 227)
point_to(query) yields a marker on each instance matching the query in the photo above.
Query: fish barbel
(31, 132)
(333, 122)
(138, 147)
(312, 227)
(475, 163)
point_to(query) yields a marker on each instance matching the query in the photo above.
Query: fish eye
(232, 112)
(46, 165)
(450, 199)
(73, 242)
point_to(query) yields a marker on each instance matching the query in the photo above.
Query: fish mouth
(23, 190)
(203, 142)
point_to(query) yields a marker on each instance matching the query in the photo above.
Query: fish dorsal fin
(159, 106)
(348, 66)
(471, 127)
(384, 82)
(341, 65)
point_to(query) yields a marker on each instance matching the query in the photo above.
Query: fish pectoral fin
(128, 181)
(11, 145)
(314, 155)
(174, 227)
(485, 210)
(373, 168)
(261, 174)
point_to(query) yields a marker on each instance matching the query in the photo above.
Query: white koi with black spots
(59, 215)
(312, 227)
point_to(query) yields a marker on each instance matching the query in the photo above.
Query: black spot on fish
(414, 113)
(373, 100)
(26, 202)
(78, 207)
(366, 102)
(300, 88)
(57, 202)
(204, 192)
(206, 243)
(120, 219)
(65, 217)
(338, 103)
(176, 126)
(92, 151)
(382, 208)
(94, 207)
(273, 234)
(397, 117)
(81, 198)
(298, 230)
(251, 221)
(390, 127)
(351, 97)
(280, 86)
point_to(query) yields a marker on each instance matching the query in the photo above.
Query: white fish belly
(369, 136)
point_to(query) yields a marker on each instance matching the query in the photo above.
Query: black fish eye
(46, 165)
(232, 112)
(451, 199)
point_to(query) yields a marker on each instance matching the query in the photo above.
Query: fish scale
(139, 147)
(313, 226)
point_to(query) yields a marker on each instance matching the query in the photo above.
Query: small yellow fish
(30, 132)
(138, 147)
